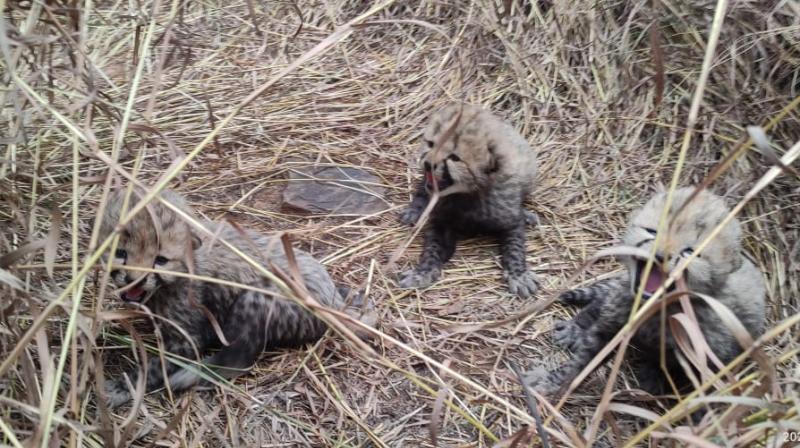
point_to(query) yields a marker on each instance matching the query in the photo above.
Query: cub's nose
(427, 166)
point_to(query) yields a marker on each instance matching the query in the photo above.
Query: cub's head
(685, 231)
(458, 150)
(155, 238)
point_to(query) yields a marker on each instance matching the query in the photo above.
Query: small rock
(337, 190)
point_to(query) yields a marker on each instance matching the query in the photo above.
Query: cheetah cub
(484, 171)
(720, 271)
(250, 321)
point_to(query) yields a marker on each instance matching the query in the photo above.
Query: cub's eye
(429, 143)
(161, 260)
(687, 252)
(650, 230)
(454, 158)
(121, 253)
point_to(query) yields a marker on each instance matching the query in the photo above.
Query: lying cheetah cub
(250, 321)
(484, 170)
(720, 271)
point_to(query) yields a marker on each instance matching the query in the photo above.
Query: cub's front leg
(585, 335)
(551, 383)
(421, 198)
(174, 343)
(438, 246)
(599, 290)
(521, 281)
(568, 334)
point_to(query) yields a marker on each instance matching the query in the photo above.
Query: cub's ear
(737, 261)
(494, 159)
(196, 242)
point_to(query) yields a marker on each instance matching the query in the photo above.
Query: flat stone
(336, 190)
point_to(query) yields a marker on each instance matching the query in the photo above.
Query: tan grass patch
(220, 99)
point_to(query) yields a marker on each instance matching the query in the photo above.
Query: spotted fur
(720, 271)
(484, 171)
(250, 321)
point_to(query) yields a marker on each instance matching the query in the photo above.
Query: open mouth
(445, 182)
(655, 279)
(134, 294)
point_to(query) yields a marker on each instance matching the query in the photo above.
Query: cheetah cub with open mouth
(721, 271)
(250, 321)
(484, 170)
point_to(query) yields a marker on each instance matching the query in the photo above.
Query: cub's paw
(576, 297)
(410, 216)
(352, 297)
(417, 279)
(566, 334)
(531, 218)
(117, 393)
(523, 285)
(539, 380)
(360, 308)
(568, 297)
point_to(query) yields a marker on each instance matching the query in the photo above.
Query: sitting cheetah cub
(484, 170)
(720, 271)
(250, 321)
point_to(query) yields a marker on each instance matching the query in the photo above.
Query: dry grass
(220, 99)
